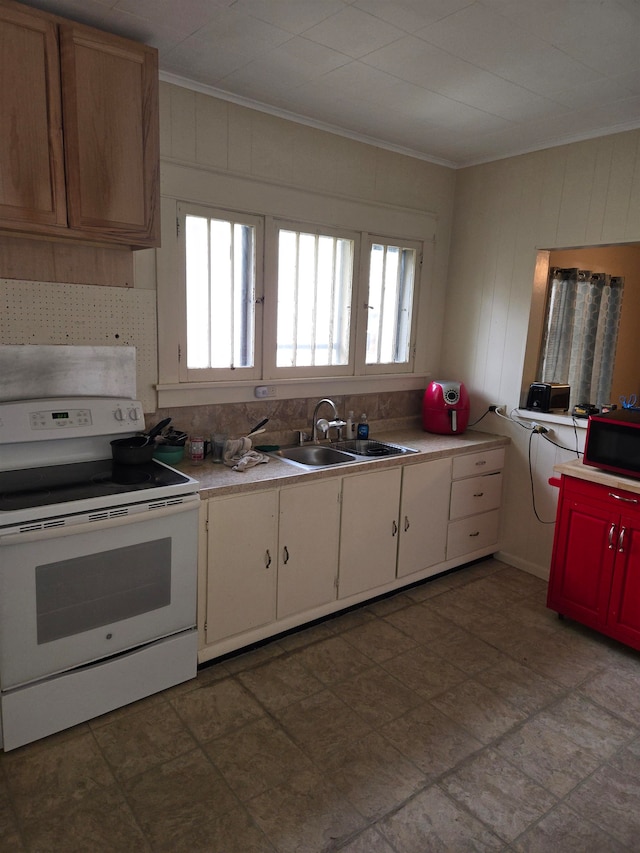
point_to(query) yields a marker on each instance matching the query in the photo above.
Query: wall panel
(504, 212)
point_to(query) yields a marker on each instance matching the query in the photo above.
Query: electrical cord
(483, 416)
(533, 493)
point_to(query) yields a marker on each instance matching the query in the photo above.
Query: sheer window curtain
(581, 332)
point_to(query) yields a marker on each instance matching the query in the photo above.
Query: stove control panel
(61, 419)
(33, 420)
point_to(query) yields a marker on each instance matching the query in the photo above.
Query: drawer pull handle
(621, 541)
(478, 494)
(612, 530)
(620, 498)
(477, 533)
(481, 462)
(267, 559)
(285, 555)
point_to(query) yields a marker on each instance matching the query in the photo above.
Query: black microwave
(613, 442)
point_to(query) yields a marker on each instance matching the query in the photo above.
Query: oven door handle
(88, 526)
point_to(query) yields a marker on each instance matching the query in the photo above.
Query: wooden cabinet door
(308, 546)
(32, 190)
(241, 570)
(624, 605)
(424, 515)
(369, 531)
(584, 551)
(110, 111)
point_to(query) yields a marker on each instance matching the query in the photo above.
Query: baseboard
(524, 565)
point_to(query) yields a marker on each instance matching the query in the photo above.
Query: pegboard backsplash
(34, 312)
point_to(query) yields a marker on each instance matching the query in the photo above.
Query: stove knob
(118, 414)
(134, 415)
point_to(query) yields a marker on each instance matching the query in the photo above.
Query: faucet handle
(302, 437)
(323, 425)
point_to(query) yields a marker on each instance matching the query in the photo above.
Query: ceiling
(452, 81)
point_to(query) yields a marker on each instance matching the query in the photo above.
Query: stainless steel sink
(315, 456)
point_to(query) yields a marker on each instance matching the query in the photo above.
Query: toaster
(548, 397)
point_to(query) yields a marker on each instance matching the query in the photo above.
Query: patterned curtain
(581, 332)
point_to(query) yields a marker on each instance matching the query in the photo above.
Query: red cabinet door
(582, 564)
(624, 606)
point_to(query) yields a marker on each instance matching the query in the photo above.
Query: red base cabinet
(595, 567)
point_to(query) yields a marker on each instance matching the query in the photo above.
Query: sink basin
(372, 449)
(310, 456)
(315, 455)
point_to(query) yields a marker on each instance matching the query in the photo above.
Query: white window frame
(271, 369)
(386, 368)
(221, 374)
(177, 383)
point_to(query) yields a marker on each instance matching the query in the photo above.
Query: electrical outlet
(539, 428)
(264, 391)
(499, 410)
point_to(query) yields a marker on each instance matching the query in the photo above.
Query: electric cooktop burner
(30, 487)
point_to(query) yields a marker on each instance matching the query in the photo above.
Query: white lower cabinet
(476, 495)
(241, 565)
(271, 554)
(308, 549)
(278, 557)
(424, 513)
(369, 531)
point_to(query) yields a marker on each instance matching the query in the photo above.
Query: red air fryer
(445, 408)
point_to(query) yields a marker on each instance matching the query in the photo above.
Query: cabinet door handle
(612, 530)
(285, 555)
(406, 523)
(394, 528)
(620, 498)
(267, 559)
(477, 533)
(621, 540)
(478, 494)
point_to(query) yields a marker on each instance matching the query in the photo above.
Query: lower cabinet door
(424, 513)
(369, 531)
(242, 565)
(584, 550)
(624, 604)
(308, 546)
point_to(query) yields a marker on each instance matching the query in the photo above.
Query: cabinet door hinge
(177, 226)
(179, 353)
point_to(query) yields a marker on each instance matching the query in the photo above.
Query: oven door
(79, 593)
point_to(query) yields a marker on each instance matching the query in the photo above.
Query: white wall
(583, 194)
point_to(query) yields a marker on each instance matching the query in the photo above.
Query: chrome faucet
(322, 423)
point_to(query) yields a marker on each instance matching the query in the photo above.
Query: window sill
(172, 395)
(551, 418)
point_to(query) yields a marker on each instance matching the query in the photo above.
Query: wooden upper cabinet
(79, 155)
(110, 113)
(32, 189)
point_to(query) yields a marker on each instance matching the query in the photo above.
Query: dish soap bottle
(363, 427)
(350, 428)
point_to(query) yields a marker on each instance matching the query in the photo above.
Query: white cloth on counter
(239, 456)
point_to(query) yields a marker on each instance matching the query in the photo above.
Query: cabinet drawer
(471, 534)
(475, 495)
(478, 463)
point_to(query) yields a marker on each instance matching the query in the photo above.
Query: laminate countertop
(218, 480)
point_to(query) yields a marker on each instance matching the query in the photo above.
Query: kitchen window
(272, 299)
(392, 273)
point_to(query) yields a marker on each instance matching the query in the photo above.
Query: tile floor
(459, 715)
